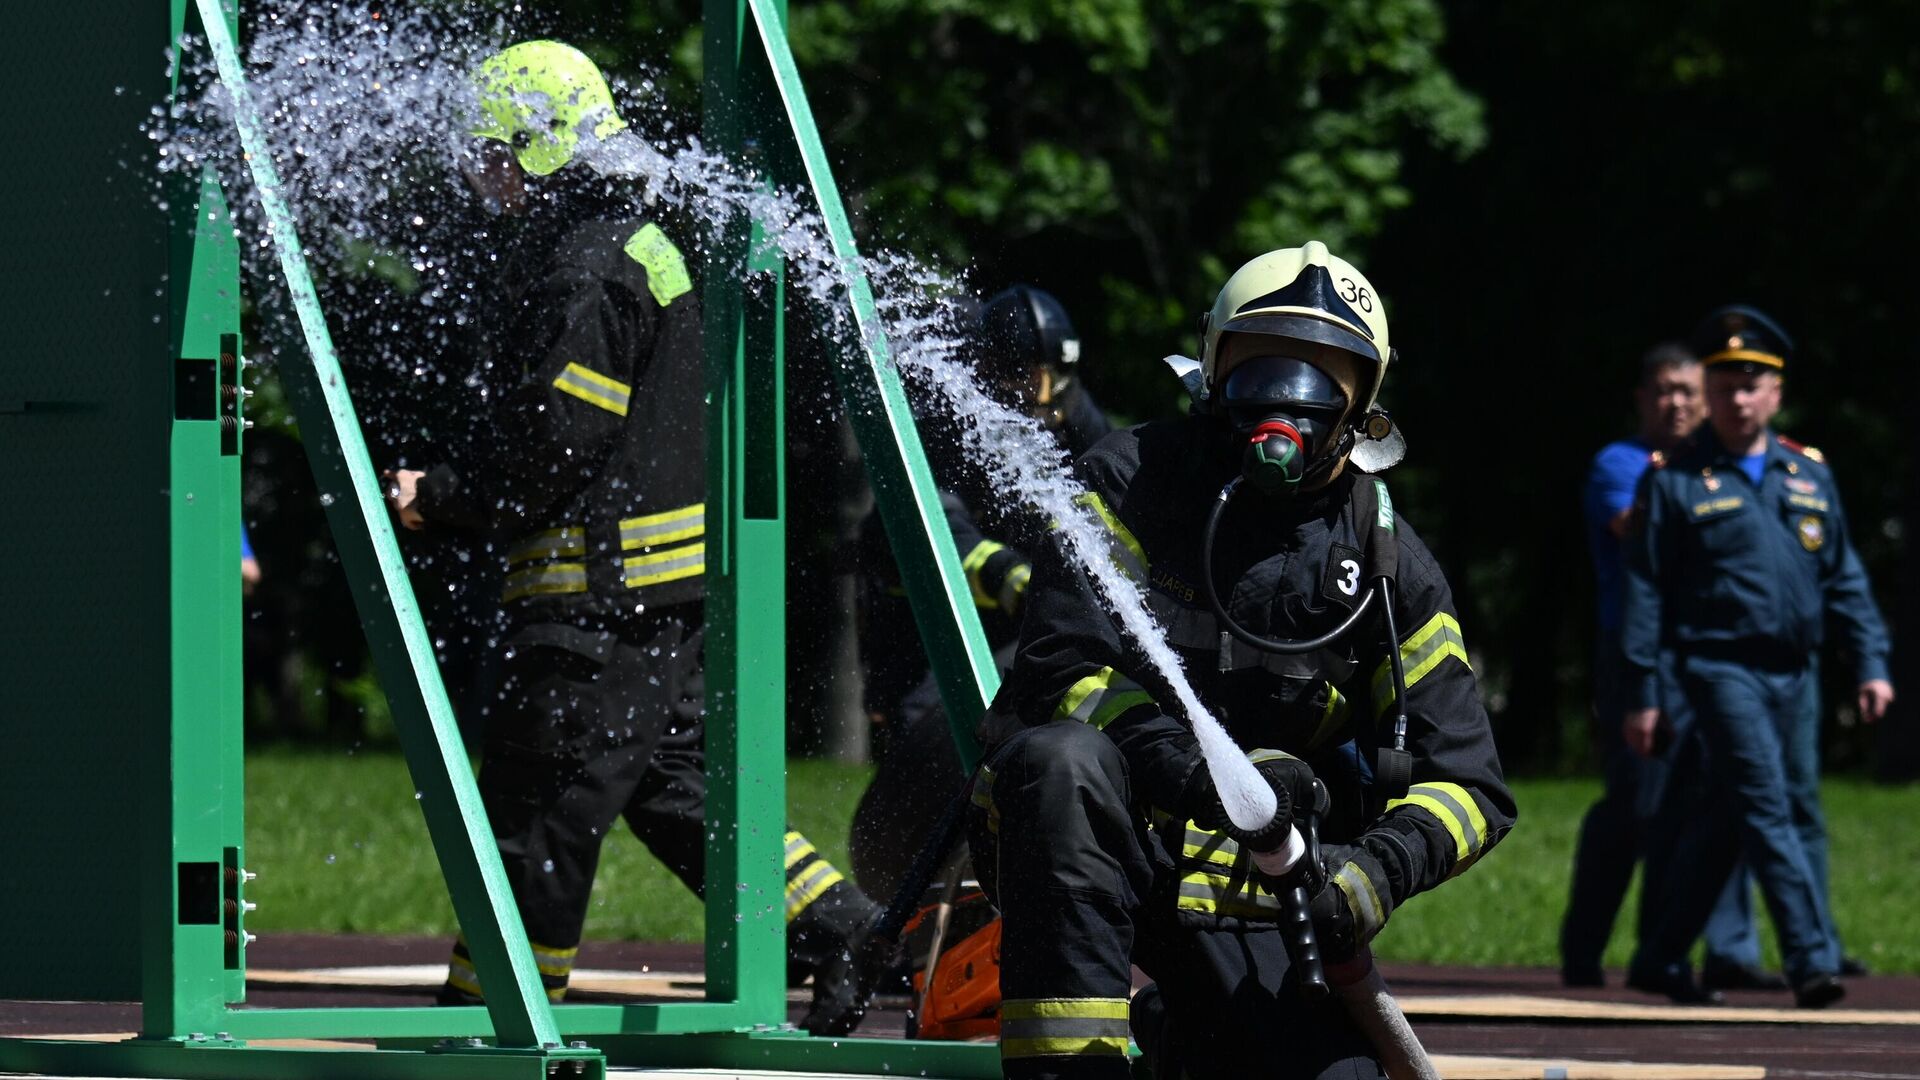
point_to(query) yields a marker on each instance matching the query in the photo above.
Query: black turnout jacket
(592, 482)
(1288, 567)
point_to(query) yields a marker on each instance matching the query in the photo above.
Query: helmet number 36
(1350, 582)
(1356, 294)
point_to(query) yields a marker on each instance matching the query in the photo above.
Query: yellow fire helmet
(537, 97)
(1304, 294)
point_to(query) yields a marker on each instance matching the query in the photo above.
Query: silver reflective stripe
(1200, 887)
(1063, 1027)
(545, 580)
(682, 524)
(552, 544)
(797, 849)
(1100, 697)
(664, 566)
(1475, 839)
(1361, 900)
(594, 388)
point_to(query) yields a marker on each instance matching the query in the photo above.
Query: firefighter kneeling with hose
(1317, 628)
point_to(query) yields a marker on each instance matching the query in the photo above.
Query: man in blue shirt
(1671, 402)
(1738, 557)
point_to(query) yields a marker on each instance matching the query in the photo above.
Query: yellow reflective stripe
(464, 984)
(1064, 1008)
(1105, 1044)
(1210, 847)
(1455, 809)
(798, 848)
(546, 580)
(975, 561)
(1013, 588)
(983, 798)
(670, 564)
(1215, 894)
(462, 977)
(1332, 719)
(552, 961)
(1100, 697)
(570, 540)
(649, 530)
(1033, 1027)
(593, 388)
(1122, 540)
(666, 269)
(809, 886)
(1362, 900)
(1422, 651)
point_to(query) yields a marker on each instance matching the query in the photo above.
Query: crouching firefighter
(593, 488)
(1316, 627)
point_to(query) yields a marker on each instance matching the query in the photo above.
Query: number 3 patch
(1342, 581)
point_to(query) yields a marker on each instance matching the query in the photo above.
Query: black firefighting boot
(824, 941)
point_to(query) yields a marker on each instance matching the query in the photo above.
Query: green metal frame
(192, 972)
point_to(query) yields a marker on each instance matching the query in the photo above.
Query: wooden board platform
(1452, 1067)
(1528, 1007)
(686, 985)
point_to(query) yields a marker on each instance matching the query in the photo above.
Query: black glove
(1292, 782)
(1353, 902)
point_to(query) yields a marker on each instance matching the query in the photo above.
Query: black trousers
(1088, 892)
(919, 775)
(604, 728)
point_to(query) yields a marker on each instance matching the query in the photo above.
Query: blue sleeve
(1649, 559)
(1849, 597)
(246, 544)
(1610, 483)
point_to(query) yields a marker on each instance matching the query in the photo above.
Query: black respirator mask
(1289, 412)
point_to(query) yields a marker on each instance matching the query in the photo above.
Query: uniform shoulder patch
(666, 270)
(1805, 451)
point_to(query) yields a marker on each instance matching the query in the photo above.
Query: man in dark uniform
(1740, 558)
(1024, 348)
(1097, 826)
(594, 486)
(1671, 402)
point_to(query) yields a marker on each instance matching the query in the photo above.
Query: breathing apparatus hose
(1296, 921)
(1272, 645)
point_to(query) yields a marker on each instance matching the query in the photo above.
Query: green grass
(340, 846)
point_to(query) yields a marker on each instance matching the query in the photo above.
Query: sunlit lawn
(340, 846)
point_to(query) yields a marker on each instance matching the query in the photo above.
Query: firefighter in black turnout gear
(595, 492)
(1024, 348)
(1097, 828)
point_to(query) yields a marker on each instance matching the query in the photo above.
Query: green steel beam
(215, 1059)
(186, 975)
(889, 440)
(407, 1024)
(795, 1052)
(745, 647)
(402, 652)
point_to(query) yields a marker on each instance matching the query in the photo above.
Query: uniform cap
(1741, 335)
